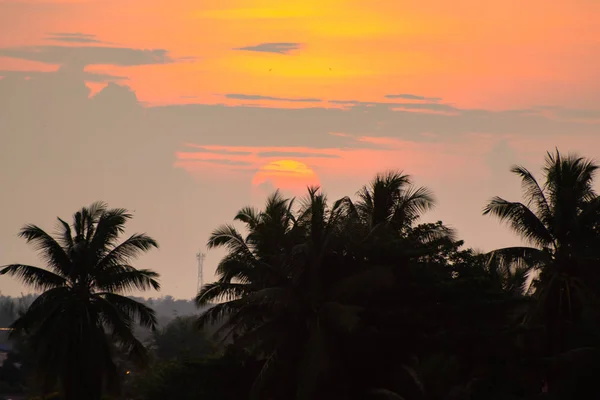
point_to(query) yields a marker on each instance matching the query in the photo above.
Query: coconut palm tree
(391, 199)
(560, 220)
(252, 262)
(290, 287)
(82, 309)
(387, 211)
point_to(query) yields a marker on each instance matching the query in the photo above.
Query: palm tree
(560, 219)
(71, 324)
(252, 262)
(391, 199)
(290, 286)
(388, 211)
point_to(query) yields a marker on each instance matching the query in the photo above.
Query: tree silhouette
(560, 218)
(70, 326)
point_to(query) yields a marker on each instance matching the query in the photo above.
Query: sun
(289, 176)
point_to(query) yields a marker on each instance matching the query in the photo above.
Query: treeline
(350, 299)
(166, 307)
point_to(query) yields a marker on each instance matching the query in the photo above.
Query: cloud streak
(295, 154)
(237, 96)
(412, 97)
(275, 48)
(73, 37)
(88, 55)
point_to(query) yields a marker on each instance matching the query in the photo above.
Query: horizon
(200, 111)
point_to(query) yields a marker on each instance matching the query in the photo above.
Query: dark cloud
(412, 97)
(296, 154)
(88, 55)
(73, 37)
(237, 96)
(277, 48)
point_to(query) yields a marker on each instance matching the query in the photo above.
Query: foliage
(361, 299)
(71, 325)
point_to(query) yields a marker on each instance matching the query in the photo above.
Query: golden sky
(176, 109)
(472, 53)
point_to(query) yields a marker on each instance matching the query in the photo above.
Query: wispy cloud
(412, 97)
(276, 48)
(238, 96)
(74, 37)
(223, 162)
(218, 150)
(88, 55)
(295, 154)
(87, 76)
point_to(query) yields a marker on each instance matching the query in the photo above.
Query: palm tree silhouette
(87, 270)
(560, 220)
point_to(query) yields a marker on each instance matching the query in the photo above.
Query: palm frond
(256, 392)
(411, 204)
(84, 220)
(431, 234)
(249, 216)
(221, 291)
(42, 308)
(514, 266)
(134, 310)
(120, 325)
(123, 278)
(521, 219)
(34, 277)
(217, 313)
(110, 225)
(534, 194)
(50, 250)
(131, 248)
(227, 236)
(65, 238)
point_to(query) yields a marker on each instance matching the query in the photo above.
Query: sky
(183, 112)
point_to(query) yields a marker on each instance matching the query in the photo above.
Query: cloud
(276, 48)
(295, 154)
(73, 37)
(237, 96)
(222, 162)
(412, 97)
(61, 97)
(85, 75)
(394, 106)
(88, 55)
(121, 151)
(212, 150)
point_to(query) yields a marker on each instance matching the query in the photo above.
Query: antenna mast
(200, 257)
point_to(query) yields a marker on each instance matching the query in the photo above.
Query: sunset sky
(184, 112)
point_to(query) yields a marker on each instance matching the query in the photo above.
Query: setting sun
(291, 177)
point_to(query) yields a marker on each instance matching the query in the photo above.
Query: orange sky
(472, 53)
(176, 121)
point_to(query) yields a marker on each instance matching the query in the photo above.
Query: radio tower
(200, 257)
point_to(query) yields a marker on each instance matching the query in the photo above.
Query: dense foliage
(351, 299)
